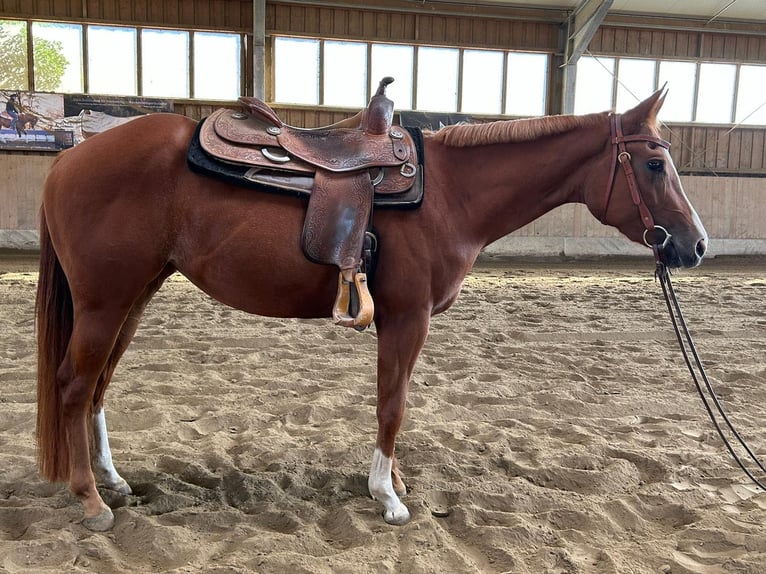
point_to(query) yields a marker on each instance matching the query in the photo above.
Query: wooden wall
(229, 15)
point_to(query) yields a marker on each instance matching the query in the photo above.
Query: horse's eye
(656, 165)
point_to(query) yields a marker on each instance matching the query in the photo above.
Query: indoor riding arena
(265, 310)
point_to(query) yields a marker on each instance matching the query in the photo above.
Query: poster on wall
(29, 121)
(52, 122)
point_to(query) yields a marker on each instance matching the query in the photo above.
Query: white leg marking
(381, 488)
(102, 458)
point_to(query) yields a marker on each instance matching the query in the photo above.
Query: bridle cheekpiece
(621, 155)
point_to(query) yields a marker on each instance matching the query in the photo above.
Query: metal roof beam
(580, 26)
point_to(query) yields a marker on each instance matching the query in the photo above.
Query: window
(217, 74)
(716, 93)
(165, 63)
(345, 77)
(13, 48)
(296, 70)
(112, 61)
(635, 82)
(397, 62)
(426, 78)
(437, 79)
(751, 98)
(680, 79)
(594, 85)
(526, 84)
(57, 57)
(482, 85)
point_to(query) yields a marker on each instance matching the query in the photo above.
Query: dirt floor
(551, 428)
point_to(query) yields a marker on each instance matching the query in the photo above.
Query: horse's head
(644, 198)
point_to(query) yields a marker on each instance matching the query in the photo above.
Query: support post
(259, 49)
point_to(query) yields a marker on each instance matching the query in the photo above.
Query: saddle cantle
(344, 168)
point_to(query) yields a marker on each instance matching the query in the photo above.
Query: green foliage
(13, 56)
(50, 62)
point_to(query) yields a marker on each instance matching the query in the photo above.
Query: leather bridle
(620, 155)
(706, 391)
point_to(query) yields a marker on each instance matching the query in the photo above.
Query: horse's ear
(645, 112)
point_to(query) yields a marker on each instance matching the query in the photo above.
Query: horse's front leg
(400, 340)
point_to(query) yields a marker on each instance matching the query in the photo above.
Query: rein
(685, 341)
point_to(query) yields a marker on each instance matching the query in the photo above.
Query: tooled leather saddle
(344, 169)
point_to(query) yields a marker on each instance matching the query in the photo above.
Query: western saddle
(343, 167)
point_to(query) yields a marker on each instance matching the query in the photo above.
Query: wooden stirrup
(341, 312)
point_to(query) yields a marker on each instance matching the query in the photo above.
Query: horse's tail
(54, 312)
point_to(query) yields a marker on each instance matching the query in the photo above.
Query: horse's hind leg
(103, 466)
(90, 346)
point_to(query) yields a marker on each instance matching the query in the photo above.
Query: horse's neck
(511, 185)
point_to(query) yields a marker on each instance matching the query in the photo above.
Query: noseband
(621, 155)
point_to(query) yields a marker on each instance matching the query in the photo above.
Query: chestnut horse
(122, 212)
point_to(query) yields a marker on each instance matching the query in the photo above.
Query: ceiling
(707, 10)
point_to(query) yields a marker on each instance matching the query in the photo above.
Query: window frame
(28, 23)
(372, 83)
(698, 63)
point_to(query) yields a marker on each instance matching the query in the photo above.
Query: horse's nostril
(701, 247)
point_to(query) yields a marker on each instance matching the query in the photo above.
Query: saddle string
(677, 319)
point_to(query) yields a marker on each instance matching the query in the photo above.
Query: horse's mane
(510, 131)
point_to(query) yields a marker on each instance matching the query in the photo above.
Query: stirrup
(341, 312)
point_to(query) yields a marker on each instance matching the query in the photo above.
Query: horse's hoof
(397, 517)
(100, 523)
(121, 487)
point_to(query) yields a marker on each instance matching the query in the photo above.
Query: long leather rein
(620, 155)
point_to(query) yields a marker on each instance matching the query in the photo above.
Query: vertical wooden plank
(636, 41)
(620, 41)
(368, 24)
(713, 147)
(439, 29)
(383, 26)
(397, 27)
(759, 150)
(141, 11)
(518, 36)
(340, 23)
(734, 151)
(124, 11)
(607, 40)
(746, 150)
(186, 12)
(43, 8)
(297, 20)
(326, 16)
(464, 31)
(723, 142)
(112, 10)
(741, 48)
(281, 18)
(717, 46)
(729, 46)
(312, 20)
(597, 41)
